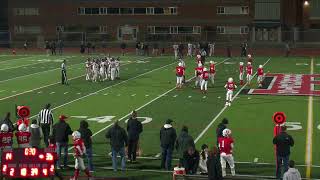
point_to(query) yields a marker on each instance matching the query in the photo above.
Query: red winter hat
(63, 117)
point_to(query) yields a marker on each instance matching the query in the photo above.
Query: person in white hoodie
(203, 159)
(292, 173)
(36, 134)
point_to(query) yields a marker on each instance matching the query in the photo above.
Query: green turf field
(147, 84)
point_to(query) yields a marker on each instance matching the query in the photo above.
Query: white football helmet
(76, 135)
(198, 56)
(260, 66)
(249, 55)
(199, 65)
(4, 128)
(230, 80)
(22, 127)
(180, 64)
(241, 63)
(212, 62)
(226, 132)
(249, 63)
(205, 69)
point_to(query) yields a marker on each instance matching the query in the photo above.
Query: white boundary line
(308, 154)
(224, 108)
(4, 61)
(14, 67)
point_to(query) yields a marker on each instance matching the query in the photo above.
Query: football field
(147, 85)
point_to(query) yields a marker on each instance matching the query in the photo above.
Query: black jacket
(168, 136)
(214, 167)
(184, 141)
(219, 130)
(283, 142)
(86, 137)
(61, 131)
(191, 162)
(134, 128)
(118, 137)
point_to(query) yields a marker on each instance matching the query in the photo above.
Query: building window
(81, 10)
(151, 29)
(221, 10)
(113, 11)
(244, 10)
(221, 30)
(140, 10)
(185, 29)
(60, 28)
(158, 11)
(103, 29)
(126, 10)
(244, 29)
(18, 11)
(150, 10)
(103, 10)
(26, 11)
(173, 10)
(95, 11)
(196, 29)
(173, 29)
(27, 29)
(162, 30)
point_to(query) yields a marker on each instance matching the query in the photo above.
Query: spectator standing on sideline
(292, 173)
(86, 136)
(82, 48)
(221, 126)
(229, 54)
(137, 48)
(53, 147)
(47, 47)
(283, 142)
(61, 133)
(53, 48)
(155, 49)
(168, 137)
(25, 45)
(118, 141)
(287, 49)
(8, 122)
(123, 47)
(191, 160)
(184, 141)
(36, 134)
(88, 47)
(214, 165)
(203, 159)
(134, 128)
(45, 120)
(60, 47)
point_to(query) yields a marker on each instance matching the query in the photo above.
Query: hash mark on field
(189, 96)
(118, 94)
(39, 92)
(2, 90)
(52, 92)
(157, 155)
(204, 97)
(133, 95)
(79, 93)
(105, 94)
(13, 91)
(249, 97)
(219, 97)
(66, 93)
(147, 95)
(175, 96)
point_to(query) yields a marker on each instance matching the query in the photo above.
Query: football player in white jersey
(95, 69)
(117, 63)
(190, 46)
(102, 75)
(112, 67)
(88, 70)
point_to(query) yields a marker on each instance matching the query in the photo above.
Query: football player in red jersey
(241, 73)
(204, 82)
(249, 73)
(79, 151)
(179, 74)
(250, 58)
(260, 75)
(226, 148)
(212, 71)
(230, 86)
(5, 137)
(23, 136)
(198, 72)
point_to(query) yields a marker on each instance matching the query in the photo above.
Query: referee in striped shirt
(45, 121)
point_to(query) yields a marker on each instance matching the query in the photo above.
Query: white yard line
(308, 154)
(14, 67)
(223, 109)
(4, 61)
(36, 73)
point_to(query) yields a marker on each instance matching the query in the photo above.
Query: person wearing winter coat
(168, 137)
(86, 136)
(214, 165)
(191, 160)
(184, 141)
(203, 159)
(8, 122)
(134, 128)
(292, 173)
(36, 134)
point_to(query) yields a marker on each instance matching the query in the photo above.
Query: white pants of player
(198, 81)
(102, 74)
(179, 79)
(224, 158)
(241, 76)
(95, 75)
(212, 75)
(87, 74)
(175, 54)
(249, 76)
(79, 164)
(113, 73)
(229, 95)
(259, 79)
(204, 85)
(117, 72)
(190, 52)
